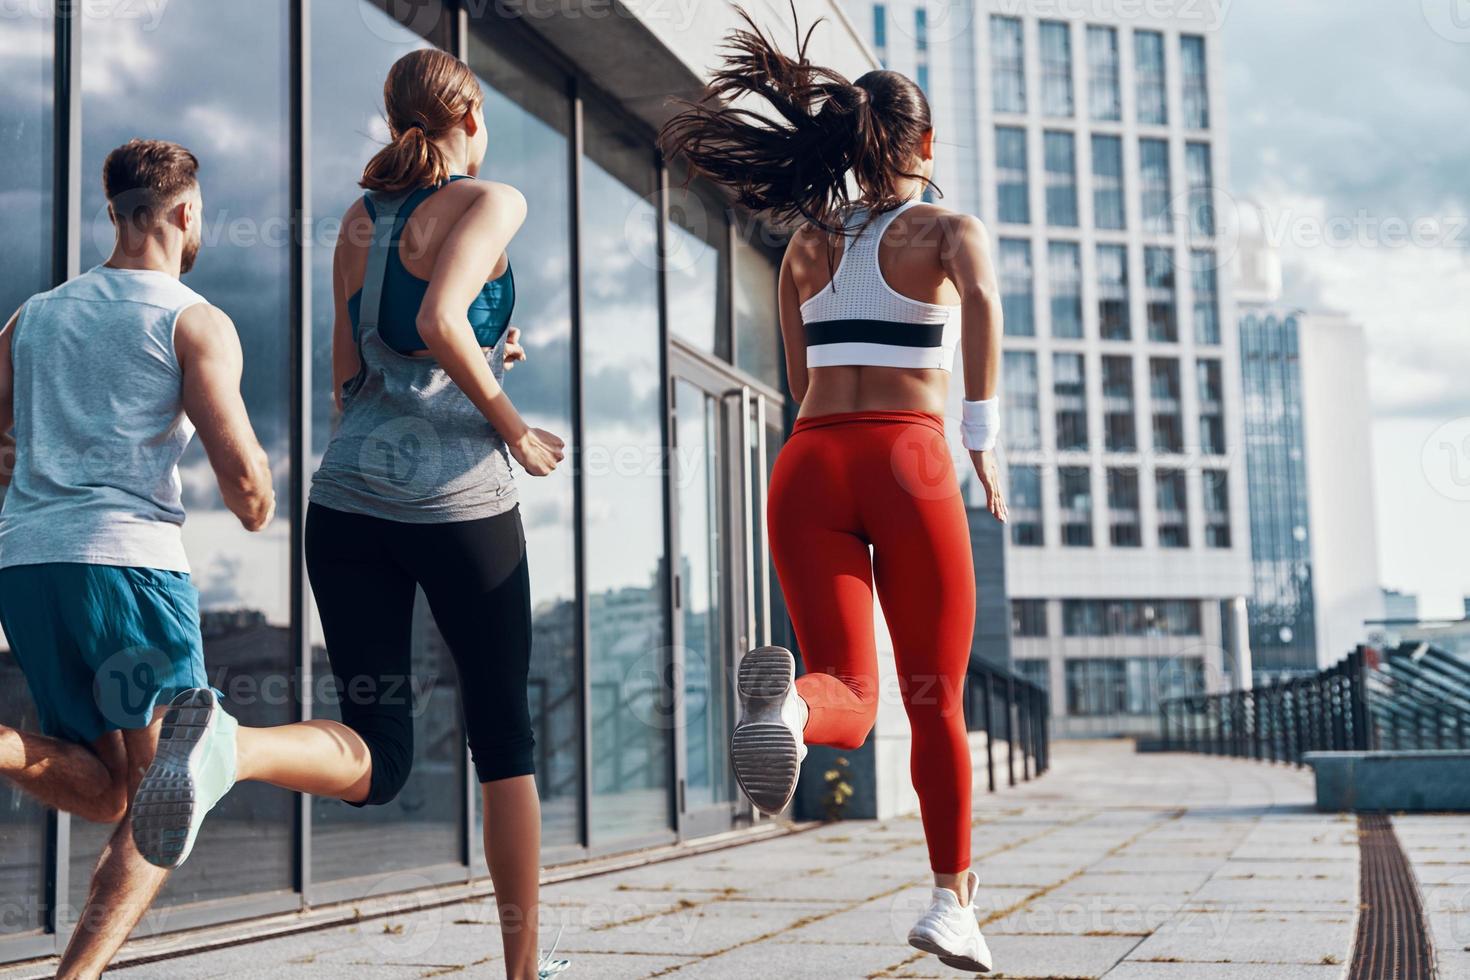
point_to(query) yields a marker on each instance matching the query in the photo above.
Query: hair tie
(416, 124)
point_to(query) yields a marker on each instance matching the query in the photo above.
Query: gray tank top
(410, 445)
(99, 424)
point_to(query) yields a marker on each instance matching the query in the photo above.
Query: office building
(1091, 143)
(1308, 437)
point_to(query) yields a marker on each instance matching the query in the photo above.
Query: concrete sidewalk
(1132, 867)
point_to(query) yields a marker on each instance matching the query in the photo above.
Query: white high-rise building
(1091, 143)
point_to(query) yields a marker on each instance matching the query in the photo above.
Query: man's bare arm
(209, 353)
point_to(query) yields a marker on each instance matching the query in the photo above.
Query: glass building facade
(648, 311)
(1281, 607)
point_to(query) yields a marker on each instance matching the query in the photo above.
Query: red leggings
(842, 483)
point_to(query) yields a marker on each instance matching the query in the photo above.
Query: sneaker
(547, 966)
(766, 748)
(951, 932)
(192, 771)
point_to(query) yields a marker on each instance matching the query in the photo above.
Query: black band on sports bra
(888, 332)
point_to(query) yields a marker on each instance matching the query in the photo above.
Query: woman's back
(903, 278)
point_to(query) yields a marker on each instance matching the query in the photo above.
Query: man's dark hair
(142, 177)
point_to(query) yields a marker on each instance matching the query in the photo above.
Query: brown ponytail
(794, 166)
(426, 95)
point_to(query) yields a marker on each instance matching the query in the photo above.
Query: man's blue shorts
(100, 645)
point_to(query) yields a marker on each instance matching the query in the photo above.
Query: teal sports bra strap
(387, 207)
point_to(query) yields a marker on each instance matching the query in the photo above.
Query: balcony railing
(1008, 707)
(1413, 697)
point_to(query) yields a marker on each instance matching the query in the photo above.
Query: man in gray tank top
(104, 380)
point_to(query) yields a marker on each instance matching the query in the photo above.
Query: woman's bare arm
(793, 336)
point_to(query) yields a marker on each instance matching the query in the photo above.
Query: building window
(1103, 89)
(1154, 186)
(1125, 521)
(1056, 68)
(1158, 294)
(1168, 414)
(1173, 506)
(1148, 68)
(1016, 300)
(1211, 407)
(1025, 506)
(1217, 508)
(1074, 496)
(921, 29)
(1061, 179)
(1036, 671)
(921, 78)
(1064, 280)
(1200, 175)
(1112, 292)
(1007, 64)
(1108, 210)
(1028, 617)
(1110, 686)
(1069, 387)
(1206, 300)
(880, 27)
(1196, 84)
(699, 233)
(1130, 617)
(1011, 180)
(1022, 400)
(1119, 429)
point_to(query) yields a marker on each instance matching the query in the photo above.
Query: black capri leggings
(363, 571)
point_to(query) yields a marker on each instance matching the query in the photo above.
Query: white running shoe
(192, 770)
(547, 965)
(951, 931)
(766, 748)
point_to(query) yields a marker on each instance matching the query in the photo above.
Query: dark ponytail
(793, 165)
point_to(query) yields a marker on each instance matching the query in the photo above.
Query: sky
(1349, 123)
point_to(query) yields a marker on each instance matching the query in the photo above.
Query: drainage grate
(1392, 941)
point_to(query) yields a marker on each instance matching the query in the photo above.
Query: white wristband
(980, 424)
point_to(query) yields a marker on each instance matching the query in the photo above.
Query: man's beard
(191, 252)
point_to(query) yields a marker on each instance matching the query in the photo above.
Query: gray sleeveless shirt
(410, 445)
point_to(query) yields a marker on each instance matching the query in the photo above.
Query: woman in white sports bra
(878, 289)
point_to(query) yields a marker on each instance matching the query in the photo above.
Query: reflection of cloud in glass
(25, 159)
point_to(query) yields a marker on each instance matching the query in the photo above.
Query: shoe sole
(165, 806)
(926, 945)
(763, 751)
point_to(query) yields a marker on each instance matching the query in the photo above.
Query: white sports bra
(858, 318)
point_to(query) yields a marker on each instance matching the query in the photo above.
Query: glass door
(720, 581)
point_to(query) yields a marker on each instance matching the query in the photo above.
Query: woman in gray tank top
(415, 488)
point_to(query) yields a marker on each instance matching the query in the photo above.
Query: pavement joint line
(839, 908)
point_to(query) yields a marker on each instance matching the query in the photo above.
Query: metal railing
(1413, 697)
(1005, 706)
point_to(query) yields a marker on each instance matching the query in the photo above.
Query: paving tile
(1227, 935)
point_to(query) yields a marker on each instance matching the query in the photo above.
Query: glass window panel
(1196, 85)
(1017, 295)
(757, 310)
(1154, 186)
(1069, 386)
(1124, 518)
(880, 25)
(1173, 508)
(1200, 173)
(214, 78)
(626, 570)
(1022, 400)
(26, 120)
(1028, 618)
(1064, 280)
(1153, 102)
(696, 261)
(1074, 498)
(1011, 176)
(1061, 179)
(1108, 210)
(1056, 68)
(1112, 292)
(527, 116)
(1104, 90)
(1024, 504)
(1008, 64)
(1120, 435)
(1206, 299)
(1158, 291)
